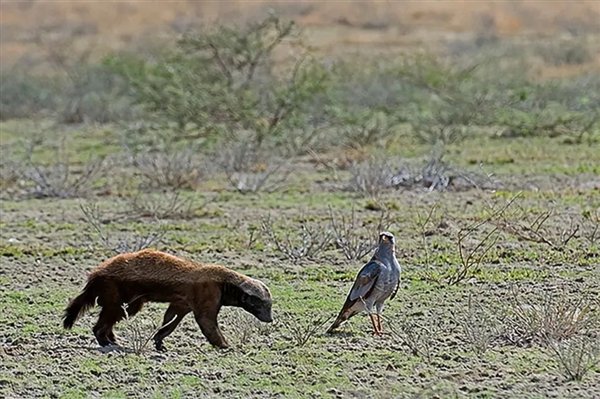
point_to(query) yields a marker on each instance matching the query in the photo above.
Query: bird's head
(386, 237)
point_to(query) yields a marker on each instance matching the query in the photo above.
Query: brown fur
(153, 276)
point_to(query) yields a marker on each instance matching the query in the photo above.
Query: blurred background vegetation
(251, 84)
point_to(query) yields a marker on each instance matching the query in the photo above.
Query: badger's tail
(81, 303)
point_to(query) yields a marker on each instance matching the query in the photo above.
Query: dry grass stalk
(138, 336)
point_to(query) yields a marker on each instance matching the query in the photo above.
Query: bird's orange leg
(379, 327)
(375, 330)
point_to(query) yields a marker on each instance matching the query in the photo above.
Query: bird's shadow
(338, 334)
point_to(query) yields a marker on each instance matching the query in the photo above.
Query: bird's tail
(342, 317)
(335, 325)
(80, 304)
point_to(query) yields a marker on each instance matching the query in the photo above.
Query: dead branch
(536, 230)
(356, 239)
(303, 241)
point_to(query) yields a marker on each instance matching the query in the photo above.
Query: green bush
(83, 93)
(25, 96)
(225, 81)
(552, 109)
(93, 93)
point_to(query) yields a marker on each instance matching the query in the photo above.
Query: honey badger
(153, 276)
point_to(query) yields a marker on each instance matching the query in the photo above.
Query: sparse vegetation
(250, 169)
(576, 356)
(59, 178)
(533, 227)
(300, 330)
(357, 238)
(170, 205)
(480, 326)
(94, 217)
(139, 331)
(551, 319)
(280, 149)
(173, 170)
(372, 177)
(304, 240)
(420, 338)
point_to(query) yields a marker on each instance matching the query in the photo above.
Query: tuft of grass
(302, 330)
(576, 356)
(553, 318)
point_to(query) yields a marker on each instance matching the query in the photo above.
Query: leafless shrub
(302, 330)
(137, 330)
(575, 356)
(253, 236)
(471, 259)
(591, 225)
(423, 221)
(565, 52)
(94, 216)
(372, 176)
(302, 241)
(244, 327)
(250, 169)
(534, 228)
(356, 239)
(9, 177)
(436, 174)
(555, 318)
(174, 169)
(168, 205)
(59, 179)
(420, 339)
(479, 325)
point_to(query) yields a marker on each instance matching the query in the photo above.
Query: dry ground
(524, 316)
(444, 340)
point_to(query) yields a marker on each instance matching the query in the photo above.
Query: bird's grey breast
(388, 280)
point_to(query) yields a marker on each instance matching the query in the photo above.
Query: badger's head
(255, 298)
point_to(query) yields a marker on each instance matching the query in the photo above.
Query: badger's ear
(254, 288)
(248, 287)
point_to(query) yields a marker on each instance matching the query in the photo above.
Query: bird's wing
(365, 281)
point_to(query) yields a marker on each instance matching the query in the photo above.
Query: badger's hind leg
(133, 307)
(110, 314)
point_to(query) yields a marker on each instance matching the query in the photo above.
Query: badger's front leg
(210, 328)
(207, 304)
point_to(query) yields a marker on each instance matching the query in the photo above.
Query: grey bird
(377, 281)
